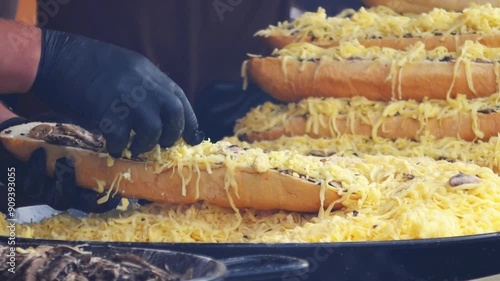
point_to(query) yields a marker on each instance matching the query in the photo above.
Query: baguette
(220, 174)
(469, 120)
(409, 198)
(303, 70)
(423, 6)
(384, 27)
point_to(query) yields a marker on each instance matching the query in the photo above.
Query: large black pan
(450, 259)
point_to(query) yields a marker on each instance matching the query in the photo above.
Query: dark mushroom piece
(84, 135)
(321, 153)
(462, 178)
(40, 132)
(71, 264)
(67, 135)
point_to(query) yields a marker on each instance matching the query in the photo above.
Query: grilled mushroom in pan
(72, 264)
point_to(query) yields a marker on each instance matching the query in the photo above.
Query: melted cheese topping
(486, 154)
(408, 199)
(361, 110)
(207, 156)
(470, 50)
(382, 22)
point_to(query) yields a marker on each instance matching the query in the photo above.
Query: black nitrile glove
(113, 90)
(32, 186)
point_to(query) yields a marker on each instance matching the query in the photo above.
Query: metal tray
(457, 258)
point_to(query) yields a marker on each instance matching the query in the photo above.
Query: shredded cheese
(207, 156)
(105, 198)
(382, 22)
(124, 204)
(482, 153)
(407, 199)
(269, 115)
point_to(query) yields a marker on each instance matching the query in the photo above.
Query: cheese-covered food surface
(429, 185)
(402, 198)
(382, 22)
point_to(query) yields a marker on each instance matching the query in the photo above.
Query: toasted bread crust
(392, 128)
(371, 79)
(265, 191)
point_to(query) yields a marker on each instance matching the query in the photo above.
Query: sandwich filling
(360, 110)
(382, 22)
(470, 51)
(405, 198)
(483, 153)
(72, 264)
(67, 135)
(208, 157)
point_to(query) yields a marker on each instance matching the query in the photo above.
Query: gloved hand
(34, 187)
(113, 90)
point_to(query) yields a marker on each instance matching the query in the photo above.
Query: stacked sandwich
(365, 97)
(379, 82)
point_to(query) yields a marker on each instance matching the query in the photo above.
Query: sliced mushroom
(408, 177)
(41, 131)
(67, 135)
(61, 264)
(335, 184)
(94, 140)
(71, 264)
(489, 110)
(462, 178)
(74, 276)
(321, 153)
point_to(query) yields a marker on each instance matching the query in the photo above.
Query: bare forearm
(20, 49)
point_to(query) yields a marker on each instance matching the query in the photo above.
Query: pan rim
(344, 244)
(348, 244)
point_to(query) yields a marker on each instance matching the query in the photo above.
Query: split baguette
(384, 25)
(260, 190)
(422, 6)
(345, 79)
(392, 128)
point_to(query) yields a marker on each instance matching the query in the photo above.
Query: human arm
(20, 56)
(106, 88)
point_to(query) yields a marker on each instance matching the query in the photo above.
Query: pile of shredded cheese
(270, 115)
(382, 22)
(408, 199)
(486, 154)
(470, 50)
(405, 191)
